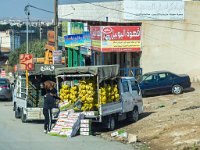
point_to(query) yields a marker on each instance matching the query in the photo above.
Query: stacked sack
(87, 95)
(109, 94)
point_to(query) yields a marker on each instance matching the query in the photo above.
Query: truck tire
(134, 115)
(23, 117)
(177, 89)
(112, 123)
(17, 113)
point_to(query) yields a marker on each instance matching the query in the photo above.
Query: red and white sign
(3, 73)
(116, 38)
(26, 62)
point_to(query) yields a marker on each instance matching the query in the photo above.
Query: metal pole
(0, 44)
(27, 32)
(56, 23)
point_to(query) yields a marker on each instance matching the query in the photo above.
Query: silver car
(5, 89)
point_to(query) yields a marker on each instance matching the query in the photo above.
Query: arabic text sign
(116, 38)
(154, 10)
(26, 62)
(57, 57)
(74, 40)
(87, 39)
(85, 51)
(47, 68)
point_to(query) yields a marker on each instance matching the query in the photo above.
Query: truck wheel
(17, 112)
(134, 115)
(112, 123)
(177, 89)
(23, 117)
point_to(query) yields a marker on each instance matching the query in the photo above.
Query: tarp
(104, 71)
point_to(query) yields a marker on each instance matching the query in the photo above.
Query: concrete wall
(86, 11)
(173, 45)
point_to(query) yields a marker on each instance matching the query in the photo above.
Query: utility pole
(26, 9)
(40, 30)
(56, 23)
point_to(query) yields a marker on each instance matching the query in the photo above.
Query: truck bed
(110, 108)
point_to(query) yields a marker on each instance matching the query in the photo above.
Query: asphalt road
(15, 135)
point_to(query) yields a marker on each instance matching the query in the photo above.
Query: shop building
(169, 31)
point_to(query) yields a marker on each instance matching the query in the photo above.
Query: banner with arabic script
(74, 40)
(116, 38)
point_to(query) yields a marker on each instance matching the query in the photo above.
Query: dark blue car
(162, 82)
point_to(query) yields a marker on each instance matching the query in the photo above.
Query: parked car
(5, 89)
(162, 82)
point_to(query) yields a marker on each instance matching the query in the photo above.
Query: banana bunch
(87, 94)
(64, 92)
(115, 94)
(109, 94)
(69, 94)
(73, 96)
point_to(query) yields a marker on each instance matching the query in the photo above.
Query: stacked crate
(85, 127)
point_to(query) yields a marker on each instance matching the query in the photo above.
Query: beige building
(173, 45)
(166, 45)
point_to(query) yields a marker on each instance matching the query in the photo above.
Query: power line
(137, 15)
(174, 28)
(38, 8)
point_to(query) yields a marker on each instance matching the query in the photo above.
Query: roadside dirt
(170, 122)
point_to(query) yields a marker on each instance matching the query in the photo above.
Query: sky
(15, 9)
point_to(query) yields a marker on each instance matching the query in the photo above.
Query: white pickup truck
(28, 102)
(130, 104)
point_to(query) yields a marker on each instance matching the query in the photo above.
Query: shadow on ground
(97, 128)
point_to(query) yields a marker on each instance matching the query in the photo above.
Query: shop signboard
(50, 36)
(77, 27)
(26, 62)
(74, 40)
(57, 57)
(87, 39)
(64, 28)
(116, 38)
(153, 10)
(85, 51)
(61, 41)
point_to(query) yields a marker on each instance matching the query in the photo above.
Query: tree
(36, 47)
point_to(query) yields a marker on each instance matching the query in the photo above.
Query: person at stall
(49, 103)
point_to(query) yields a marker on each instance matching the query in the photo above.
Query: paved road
(15, 135)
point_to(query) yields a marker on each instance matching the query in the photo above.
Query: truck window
(134, 86)
(125, 86)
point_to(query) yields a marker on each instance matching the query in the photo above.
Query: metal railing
(136, 72)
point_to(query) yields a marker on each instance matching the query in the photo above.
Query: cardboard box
(85, 133)
(85, 121)
(84, 129)
(85, 126)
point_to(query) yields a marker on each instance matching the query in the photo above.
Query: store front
(117, 45)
